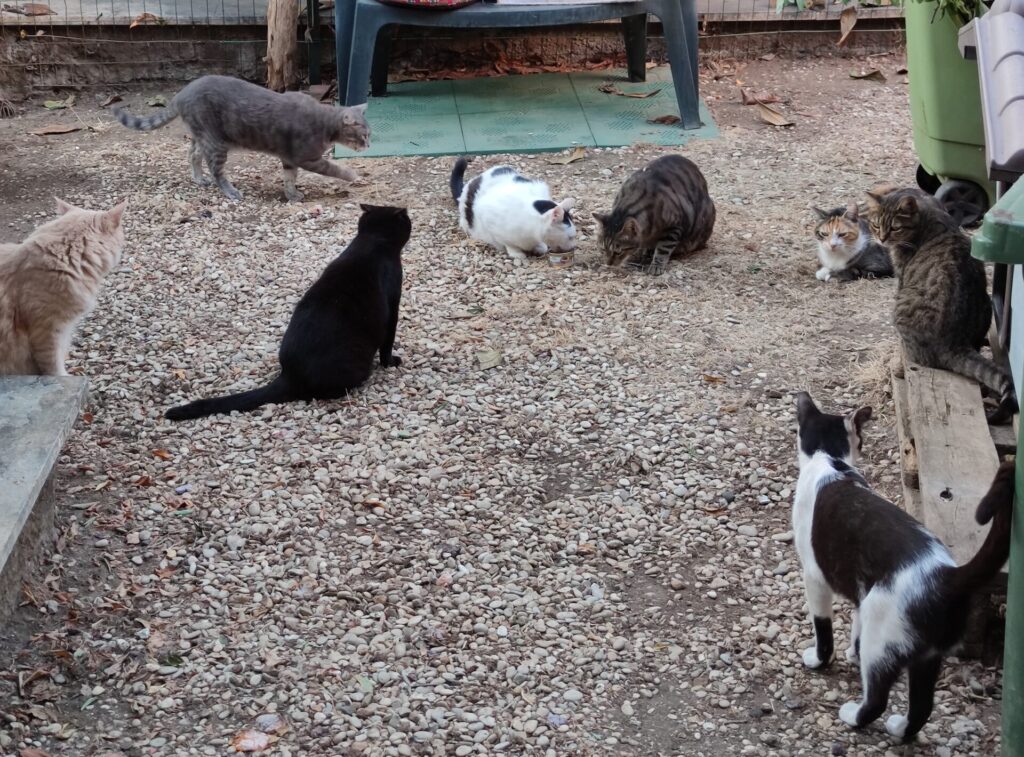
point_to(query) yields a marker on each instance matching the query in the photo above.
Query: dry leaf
(111, 100)
(669, 119)
(708, 378)
(768, 56)
(146, 18)
(162, 454)
(56, 129)
(872, 74)
(55, 104)
(847, 20)
(156, 101)
(489, 359)
(250, 741)
(30, 9)
(577, 153)
(611, 89)
(32, 752)
(770, 115)
(763, 97)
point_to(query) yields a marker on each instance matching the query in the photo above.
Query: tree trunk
(282, 45)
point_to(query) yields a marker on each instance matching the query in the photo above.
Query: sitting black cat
(349, 314)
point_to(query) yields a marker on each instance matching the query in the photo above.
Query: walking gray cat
(223, 113)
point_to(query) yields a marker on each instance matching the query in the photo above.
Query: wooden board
(908, 453)
(956, 458)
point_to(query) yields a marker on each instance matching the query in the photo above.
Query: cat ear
(567, 204)
(631, 228)
(353, 113)
(822, 214)
(805, 407)
(112, 218)
(875, 196)
(601, 218)
(63, 207)
(544, 206)
(907, 205)
(852, 211)
(855, 421)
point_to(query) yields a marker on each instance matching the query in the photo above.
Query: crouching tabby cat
(49, 282)
(511, 212)
(223, 113)
(662, 211)
(846, 248)
(911, 598)
(347, 316)
(942, 310)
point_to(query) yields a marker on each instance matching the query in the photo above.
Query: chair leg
(344, 23)
(675, 17)
(634, 31)
(381, 60)
(368, 24)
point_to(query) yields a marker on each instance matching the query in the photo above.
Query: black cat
(349, 314)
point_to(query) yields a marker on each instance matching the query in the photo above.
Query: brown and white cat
(911, 597)
(846, 248)
(49, 282)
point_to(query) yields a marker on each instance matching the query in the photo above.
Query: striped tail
(458, 175)
(978, 367)
(155, 121)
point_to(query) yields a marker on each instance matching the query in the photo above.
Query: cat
(223, 113)
(506, 210)
(942, 310)
(662, 211)
(49, 282)
(846, 249)
(911, 598)
(347, 316)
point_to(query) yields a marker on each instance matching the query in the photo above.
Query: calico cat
(662, 211)
(846, 249)
(348, 315)
(504, 209)
(911, 597)
(224, 113)
(49, 282)
(943, 310)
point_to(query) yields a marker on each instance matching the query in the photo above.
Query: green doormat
(524, 114)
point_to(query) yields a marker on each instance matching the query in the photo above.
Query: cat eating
(223, 113)
(911, 598)
(661, 212)
(846, 249)
(942, 311)
(347, 316)
(511, 212)
(49, 282)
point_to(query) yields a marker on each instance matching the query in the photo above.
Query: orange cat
(49, 282)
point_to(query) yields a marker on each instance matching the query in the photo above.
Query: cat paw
(896, 725)
(394, 362)
(515, 254)
(851, 653)
(202, 181)
(347, 175)
(294, 195)
(811, 659)
(848, 713)
(823, 274)
(232, 194)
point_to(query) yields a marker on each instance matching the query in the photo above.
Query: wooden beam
(282, 45)
(908, 452)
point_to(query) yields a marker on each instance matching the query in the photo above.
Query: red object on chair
(439, 4)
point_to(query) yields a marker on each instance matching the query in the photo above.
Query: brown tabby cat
(943, 310)
(49, 282)
(662, 211)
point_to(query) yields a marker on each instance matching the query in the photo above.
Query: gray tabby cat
(223, 113)
(943, 310)
(846, 249)
(662, 211)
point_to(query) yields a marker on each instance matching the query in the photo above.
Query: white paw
(896, 725)
(823, 274)
(811, 658)
(851, 653)
(516, 254)
(848, 713)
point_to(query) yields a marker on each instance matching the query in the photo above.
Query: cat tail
(995, 506)
(456, 182)
(978, 367)
(277, 390)
(166, 115)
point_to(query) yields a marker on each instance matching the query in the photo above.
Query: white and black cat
(846, 248)
(347, 316)
(511, 212)
(910, 595)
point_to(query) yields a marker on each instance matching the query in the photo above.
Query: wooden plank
(908, 453)
(956, 457)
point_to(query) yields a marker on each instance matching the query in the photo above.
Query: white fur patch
(811, 659)
(848, 713)
(896, 725)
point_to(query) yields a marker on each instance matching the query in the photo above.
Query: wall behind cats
(93, 43)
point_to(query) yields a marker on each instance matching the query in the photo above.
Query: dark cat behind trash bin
(223, 113)
(347, 316)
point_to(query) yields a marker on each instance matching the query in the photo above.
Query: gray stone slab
(36, 415)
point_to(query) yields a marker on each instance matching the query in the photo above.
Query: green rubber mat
(524, 114)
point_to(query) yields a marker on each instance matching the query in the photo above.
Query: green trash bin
(945, 106)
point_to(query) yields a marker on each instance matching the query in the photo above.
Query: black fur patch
(471, 189)
(543, 206)
(820, 432)
(522, 179)
(567, 221)
(502, 171)
(823, 639)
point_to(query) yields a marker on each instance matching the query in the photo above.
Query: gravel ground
(583, 550)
